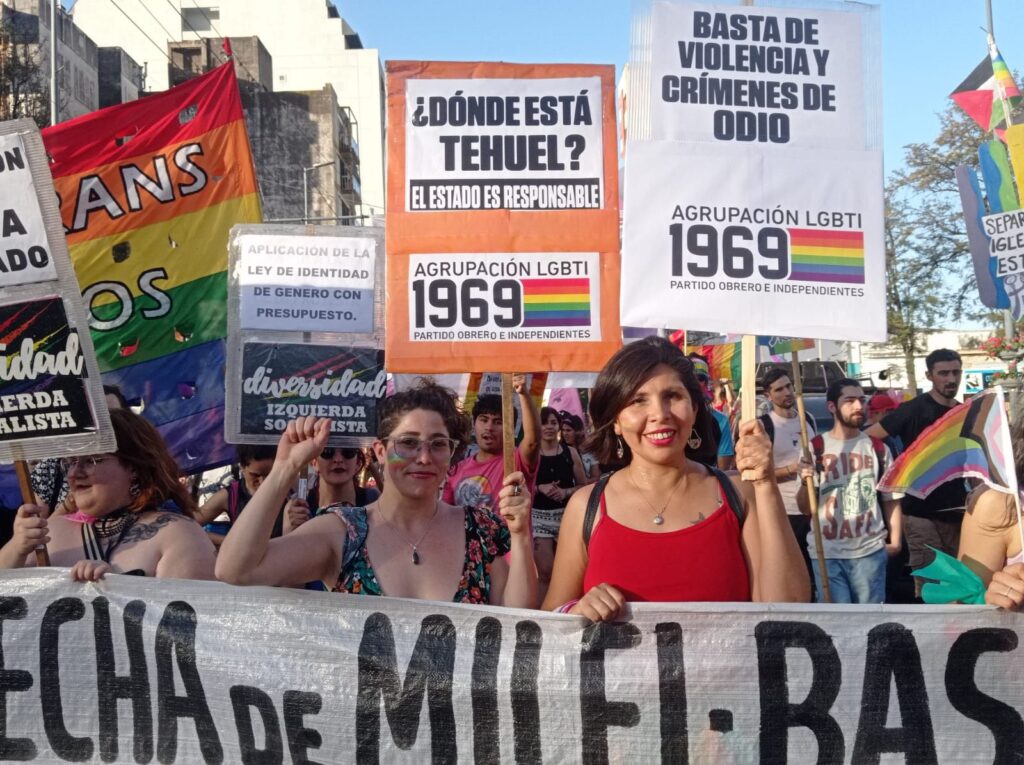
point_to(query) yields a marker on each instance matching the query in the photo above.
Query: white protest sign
(199, 671)
(786, 76)
(24, 254)
(524, 296)
(1005, 233)
(306, 284)
(754, 243)
(514, 144)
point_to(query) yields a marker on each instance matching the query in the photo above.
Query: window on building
(198, 19)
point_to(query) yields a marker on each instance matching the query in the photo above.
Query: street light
(305, 187)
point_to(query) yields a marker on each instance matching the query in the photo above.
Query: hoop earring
(620, 447)
(694, 441)
(135, 489)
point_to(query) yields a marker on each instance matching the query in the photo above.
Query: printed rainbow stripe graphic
(826, 255)
(556, 302)
(971, 440)
(149, 192)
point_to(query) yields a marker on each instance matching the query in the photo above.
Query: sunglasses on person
(346, 452)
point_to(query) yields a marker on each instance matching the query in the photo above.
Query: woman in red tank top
(667, 528)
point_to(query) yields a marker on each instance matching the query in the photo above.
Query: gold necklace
(658, 518)
(415, 550)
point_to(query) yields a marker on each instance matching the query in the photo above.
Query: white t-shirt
(852, 524)
(786, 451)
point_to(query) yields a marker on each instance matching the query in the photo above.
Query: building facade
(309, 42)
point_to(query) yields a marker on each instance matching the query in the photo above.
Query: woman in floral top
(419, 546)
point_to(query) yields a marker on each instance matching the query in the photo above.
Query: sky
(928, 46)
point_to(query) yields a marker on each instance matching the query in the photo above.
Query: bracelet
(566, 607)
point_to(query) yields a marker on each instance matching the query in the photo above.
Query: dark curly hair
(619, 381)
(425, 394)
(141, 448)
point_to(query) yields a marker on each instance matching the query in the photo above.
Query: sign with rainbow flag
(971, 441)
(149, 191)
(503, 224)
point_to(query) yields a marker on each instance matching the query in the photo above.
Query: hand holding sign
(514, 504)
(30, 529)
(754, 453)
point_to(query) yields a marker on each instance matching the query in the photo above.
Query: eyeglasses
(346, 452)
(409, 447)
(87, 464)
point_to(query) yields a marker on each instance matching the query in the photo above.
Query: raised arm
(248, 554)
(529, 447)
(777, 571)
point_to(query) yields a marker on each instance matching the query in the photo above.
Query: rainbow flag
(725, 360)
(556, 302)
(826, 255)
(149, 191)
(778, 347)
(971, 440)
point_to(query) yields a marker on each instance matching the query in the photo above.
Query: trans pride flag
(149, 191)
(971, 440)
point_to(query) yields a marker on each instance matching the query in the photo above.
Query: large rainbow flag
(971, 440)
(149, 191)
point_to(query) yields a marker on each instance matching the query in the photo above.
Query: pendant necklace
(659, 515)
(414, 547)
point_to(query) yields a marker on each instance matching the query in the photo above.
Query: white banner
(1006, 240)
(787, 76)
(524, 296)
(787, 242)
(306, 283)
(191, 672)
(514, 144)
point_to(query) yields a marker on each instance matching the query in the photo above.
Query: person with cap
(726, 446)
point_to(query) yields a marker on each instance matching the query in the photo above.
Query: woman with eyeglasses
(128, 514)
(408, 543)
(668, 526)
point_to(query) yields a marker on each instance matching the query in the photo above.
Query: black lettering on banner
(525, 703)
(12, 681)
(298, 704)
(672, 694)
(176, 634)
(484, 691)
(244, 697)
(111, 687)
(892, 654)
(65, 746)
(965, 697)
(778, 715)
(597, 712)
(430, 670)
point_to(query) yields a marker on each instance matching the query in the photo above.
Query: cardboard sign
(282, 381)
(51, 396)
(502, 217)
(1005, 233)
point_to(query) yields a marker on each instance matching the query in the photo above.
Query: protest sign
(1005, 233)
(184, 671)
(753, 243)
(51, 397)
(771, 115)
(282, 381)
(305, 327)
(502, 217)
(784, 76)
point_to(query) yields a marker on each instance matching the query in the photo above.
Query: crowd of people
(663, 498)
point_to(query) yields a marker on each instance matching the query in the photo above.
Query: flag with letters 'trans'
(149, 191)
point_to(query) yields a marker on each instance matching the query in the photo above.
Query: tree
(24, 75)
(928, 265)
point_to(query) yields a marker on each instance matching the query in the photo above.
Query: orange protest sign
(503, 217)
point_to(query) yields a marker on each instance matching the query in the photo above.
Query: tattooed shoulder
(148, 530)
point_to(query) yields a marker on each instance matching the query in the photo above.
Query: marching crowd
(664, 498)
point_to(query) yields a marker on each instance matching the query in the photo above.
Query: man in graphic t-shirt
(935, 520)
(855, 522)
(476, 481)
(782, 425)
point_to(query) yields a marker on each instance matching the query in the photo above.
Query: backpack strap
(593, 503)
(818, 448)
(233, 500)
(729, 492)
(769, 426)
